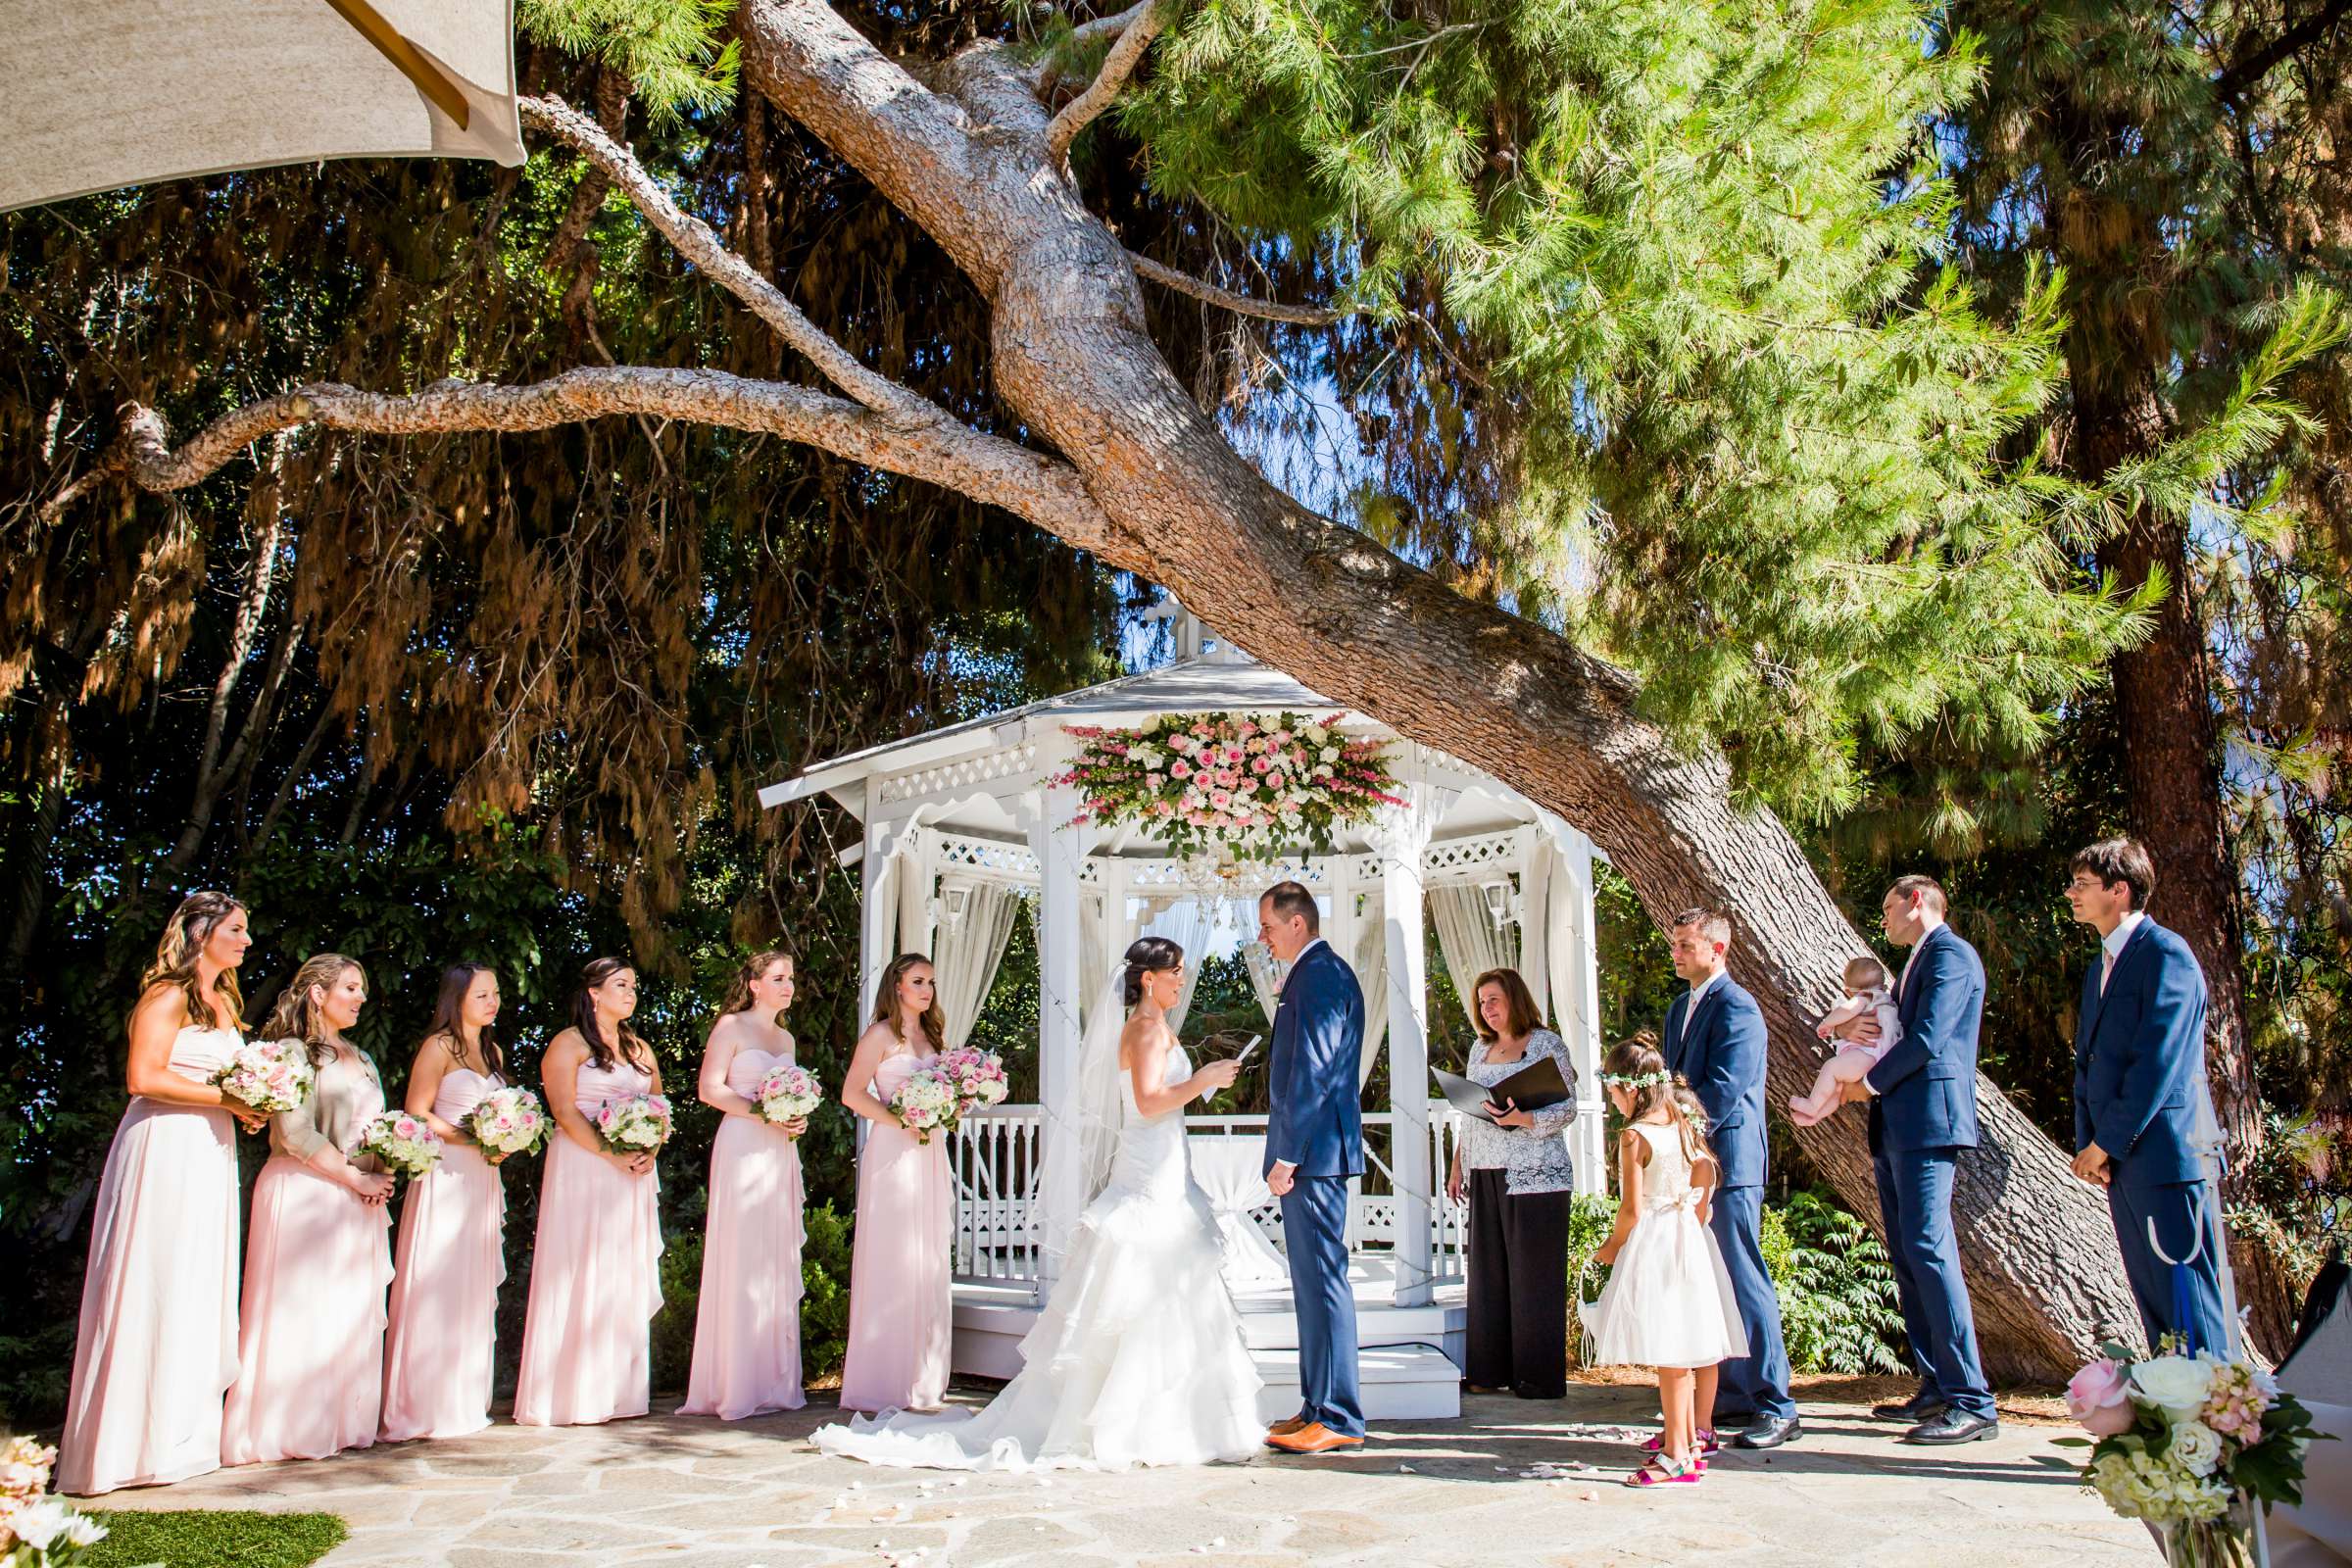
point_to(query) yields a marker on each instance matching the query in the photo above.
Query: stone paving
(1429, 1494)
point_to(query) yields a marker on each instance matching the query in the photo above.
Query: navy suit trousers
(1759, 1380)
(2179, 1213)
(1915, 1204)
(1314, 1237)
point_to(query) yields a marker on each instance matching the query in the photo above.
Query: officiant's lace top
(1533, 1160)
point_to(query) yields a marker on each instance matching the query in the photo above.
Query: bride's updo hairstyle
(1149, 956)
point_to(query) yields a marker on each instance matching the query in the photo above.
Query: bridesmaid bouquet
(926, 1103)
(978, 1076)
(268, 1075)
(788, 1093)
(2192, 1445)
(508, 1121)
(39, 1531)
(633, 1125)
(400, 1143)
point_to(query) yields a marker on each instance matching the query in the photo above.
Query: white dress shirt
(2111, 946)
(1927, 928)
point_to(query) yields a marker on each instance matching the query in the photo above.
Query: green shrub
(1838, 1308)
(824, 1300)
(206, 1539)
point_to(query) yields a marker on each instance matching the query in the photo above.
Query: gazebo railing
(994, 1158)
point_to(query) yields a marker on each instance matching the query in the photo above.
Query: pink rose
(2099, 1396)
(1181, 770)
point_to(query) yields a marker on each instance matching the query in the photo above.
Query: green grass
(204, 1539)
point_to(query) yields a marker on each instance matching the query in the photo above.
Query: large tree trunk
(1323, 603)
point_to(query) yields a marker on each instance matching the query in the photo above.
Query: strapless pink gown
(310, 1347)
(900, 1309)
(746, 1323)
(157, 1344)
(441, 1348)
(596, 1278)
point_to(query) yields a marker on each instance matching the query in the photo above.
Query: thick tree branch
(985, 468)
(1240, 303)
(1144, 24)
(700, 244)
(2244, 71)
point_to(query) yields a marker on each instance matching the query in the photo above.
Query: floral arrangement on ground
(1252, 785)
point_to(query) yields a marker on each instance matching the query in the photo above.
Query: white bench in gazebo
(965, 834)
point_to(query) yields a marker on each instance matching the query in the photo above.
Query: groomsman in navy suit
(1923, 1113)
(2139, 1078)
(1714, 1037)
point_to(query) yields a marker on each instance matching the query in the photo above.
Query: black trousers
(1518, 1329)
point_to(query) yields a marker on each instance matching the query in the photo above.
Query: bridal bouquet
(268, 1075)
(978, 1077)
(2192, 1445)
(508, 1121)
(39, 1531)
(403, 1144)
(789, 1093)
(633, 1125)
(925, 1103)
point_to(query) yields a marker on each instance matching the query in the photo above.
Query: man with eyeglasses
(2140, 1075)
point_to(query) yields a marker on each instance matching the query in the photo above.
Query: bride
(1138, 1358)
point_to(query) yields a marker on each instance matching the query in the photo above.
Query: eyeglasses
(2085, 882)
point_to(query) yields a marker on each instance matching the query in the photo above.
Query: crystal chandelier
(1220, 877)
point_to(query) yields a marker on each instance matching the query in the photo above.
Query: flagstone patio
(1430, 1494)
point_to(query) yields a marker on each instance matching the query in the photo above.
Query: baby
(1868, 994)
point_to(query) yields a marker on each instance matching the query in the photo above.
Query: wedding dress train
(1137, 1358)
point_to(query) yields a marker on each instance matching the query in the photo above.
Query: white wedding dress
(1137, 1358)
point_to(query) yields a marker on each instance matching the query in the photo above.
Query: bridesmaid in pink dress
(901, 1312)
(747, 1325)
(441, 1349)
(596, 1266)
(158, 1341)
(318, 1256)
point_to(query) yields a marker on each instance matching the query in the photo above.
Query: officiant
(1514, 1169)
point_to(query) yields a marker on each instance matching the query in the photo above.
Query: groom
(1314, 1143)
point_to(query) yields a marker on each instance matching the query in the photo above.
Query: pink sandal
(1660, 1471)
(1708, 1446)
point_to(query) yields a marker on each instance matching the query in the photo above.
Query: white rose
(1142, 757)
(1317, 733)
(2196, 1448)
(2176, 1384)
(1330, 753)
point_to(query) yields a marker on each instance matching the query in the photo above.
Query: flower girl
(1668, 1304)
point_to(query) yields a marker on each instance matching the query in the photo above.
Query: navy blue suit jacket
(1926, 1086)
(1317, 1119)
(2140, 1056)
(1721, 1051)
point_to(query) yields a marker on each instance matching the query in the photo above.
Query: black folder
(1534, 1086)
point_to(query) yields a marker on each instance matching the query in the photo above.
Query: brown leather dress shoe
(1314, 1438)
(1283, 1428)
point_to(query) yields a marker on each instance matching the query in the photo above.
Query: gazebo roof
(1204, 683)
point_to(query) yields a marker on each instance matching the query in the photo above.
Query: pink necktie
(2106, 969)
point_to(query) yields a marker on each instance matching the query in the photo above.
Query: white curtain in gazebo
(1185, 923)
(1469, 938)
(968, 947)
(1093, 955)
(1371, 960)
(1265, 975)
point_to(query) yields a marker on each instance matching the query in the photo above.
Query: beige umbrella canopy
(104, 93)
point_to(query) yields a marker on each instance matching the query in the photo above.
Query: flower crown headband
(1631, 1080)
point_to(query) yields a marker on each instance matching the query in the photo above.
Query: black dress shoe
(1921, 1407)
(1771, 1432)
(1954, 1427)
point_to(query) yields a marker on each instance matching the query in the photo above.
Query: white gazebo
(966, 834)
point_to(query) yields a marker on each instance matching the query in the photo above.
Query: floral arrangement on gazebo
(1251, 785)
